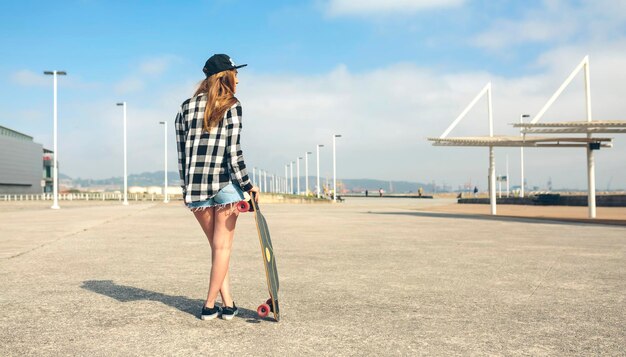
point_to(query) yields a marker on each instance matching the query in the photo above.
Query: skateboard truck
(246, 204)
(264, 309)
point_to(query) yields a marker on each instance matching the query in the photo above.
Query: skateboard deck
(269, 263)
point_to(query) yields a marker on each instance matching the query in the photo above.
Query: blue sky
(391, 72)
(279, 36)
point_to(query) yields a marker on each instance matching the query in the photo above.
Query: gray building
(22, 163)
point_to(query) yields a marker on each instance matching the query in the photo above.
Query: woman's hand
(256, 192)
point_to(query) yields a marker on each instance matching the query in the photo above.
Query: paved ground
(604, 215)
(367, 277)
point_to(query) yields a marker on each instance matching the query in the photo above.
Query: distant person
(366, 193)
(420, 191)
(213, 171)
(380, 192)
(475, 191)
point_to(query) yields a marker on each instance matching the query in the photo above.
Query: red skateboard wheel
(243, 206)
(263, 310)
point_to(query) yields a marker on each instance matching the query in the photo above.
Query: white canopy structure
(574, 127)
(516, 141)
(588, 127)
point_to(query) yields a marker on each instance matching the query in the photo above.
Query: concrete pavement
(366, 277)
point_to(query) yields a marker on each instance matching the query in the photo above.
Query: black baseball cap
(219, 63)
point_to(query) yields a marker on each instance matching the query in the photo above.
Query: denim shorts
(227, 195)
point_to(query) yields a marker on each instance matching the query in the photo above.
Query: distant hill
(156, 179)
(142, 179)
(360, 185)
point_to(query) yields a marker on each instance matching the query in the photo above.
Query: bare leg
(223, 233)
(207, 218)
(227, 297)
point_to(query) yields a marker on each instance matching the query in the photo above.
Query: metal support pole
(492, 158)
(521, 121)
(492, 181)
(591, 173)
(507, 175)
(335, 168)
(298, 176)
(55, 156)
(55, 170)
(125, 203)
(306, 172)
(291, 191)
(286, 183)
(319, 188)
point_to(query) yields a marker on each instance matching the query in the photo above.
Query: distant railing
(110, 196)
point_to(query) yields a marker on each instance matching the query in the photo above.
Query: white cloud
(157, 65)
(385, 116)
(147, 70)
(373, 7)
(129, 85)
(28, 78)
(555, 22)
(505, 34)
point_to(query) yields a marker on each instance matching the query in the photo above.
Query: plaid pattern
(207, 162)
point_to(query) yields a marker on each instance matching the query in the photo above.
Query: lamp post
(306, 172)
(165, 196)
(507, 175)
(521, 154)
(319, 189)
(298, 175)
(335, 168)
(291, 174)
(286, 185)
(55, 171)
(125, 203)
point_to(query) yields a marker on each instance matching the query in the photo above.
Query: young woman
(213, 172)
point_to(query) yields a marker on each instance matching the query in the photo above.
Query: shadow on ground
(124, 293)
(542, 220)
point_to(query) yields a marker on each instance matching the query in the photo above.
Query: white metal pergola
(588, 127)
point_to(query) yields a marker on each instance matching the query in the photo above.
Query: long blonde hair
(220, 89)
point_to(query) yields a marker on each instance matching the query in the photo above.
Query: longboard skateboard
(269, 261)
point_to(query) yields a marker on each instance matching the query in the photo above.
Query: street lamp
(286, 185)
(125, 203)
(335, 169)
(318, 170)
(55, 173)
(291, 173)
(261, 182)
(306, 172)
(165, 197)
(298, 175)
(521, 149)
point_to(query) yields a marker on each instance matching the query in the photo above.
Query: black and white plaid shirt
(207, 162)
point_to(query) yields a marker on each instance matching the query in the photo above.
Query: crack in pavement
(77, 232)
